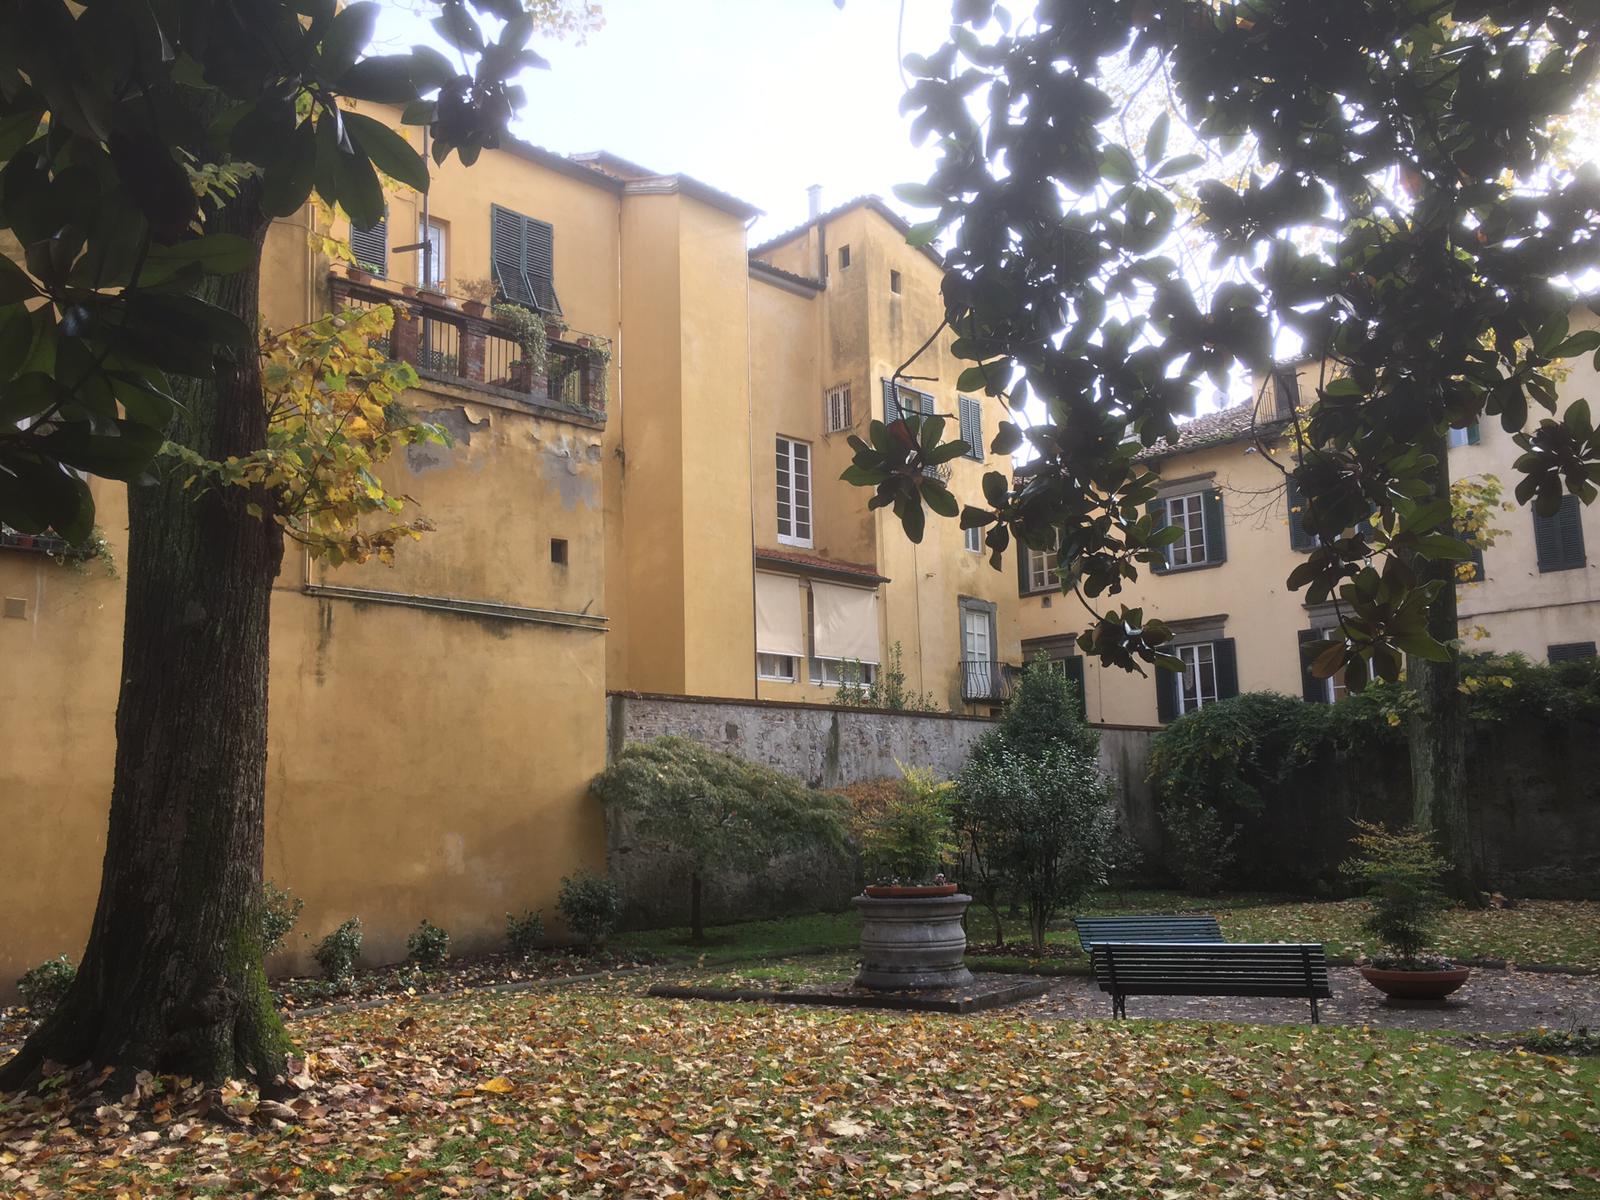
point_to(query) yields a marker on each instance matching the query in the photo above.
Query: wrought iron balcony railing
(984, 679)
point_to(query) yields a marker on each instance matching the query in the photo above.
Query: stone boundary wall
(828, 746)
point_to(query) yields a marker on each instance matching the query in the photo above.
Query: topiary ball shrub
(336, 954)
(591, 906)
(44, 986)
(524, 933)
(428, 946)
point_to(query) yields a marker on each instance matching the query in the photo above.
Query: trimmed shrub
(911, 836)
(1401, 871)
(1200, 848)
(280, 909)
(591, 907)
(336, 954)
(44, 986)
(525, 933)
(428, 946)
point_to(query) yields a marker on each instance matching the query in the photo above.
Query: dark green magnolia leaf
(383, 79)
(976, 518)
(389, 152)
(1155, 143)
(289, 178)
(946, 452)
(356, 186)
(458, 29)
(1007, 439)
(348, 35)
(124, 456)
(214, 253)
(939, 499)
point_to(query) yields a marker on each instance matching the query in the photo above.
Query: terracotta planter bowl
(1416, 985)
(894, 891)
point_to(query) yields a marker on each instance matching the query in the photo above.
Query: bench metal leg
(1315, 1020)
(1119, 1006)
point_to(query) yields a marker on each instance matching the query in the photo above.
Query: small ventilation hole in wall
(16, 607)
(558, 551)
(894, 282)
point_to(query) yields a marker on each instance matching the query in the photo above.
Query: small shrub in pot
(1401, 871)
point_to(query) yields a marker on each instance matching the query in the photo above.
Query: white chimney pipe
(814, 201)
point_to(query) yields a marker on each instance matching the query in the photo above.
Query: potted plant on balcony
(911, 930)
(1401, 871)
(528, 373)
(477, 295)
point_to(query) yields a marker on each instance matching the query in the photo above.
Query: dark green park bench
(1289, 969)
(1145, 929)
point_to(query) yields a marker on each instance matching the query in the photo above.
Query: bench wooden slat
(1092, 930)
(1268, 969)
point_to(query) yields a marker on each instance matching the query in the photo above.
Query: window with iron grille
(838, 408)
(370, 246)
(522, 250)
(794, 492)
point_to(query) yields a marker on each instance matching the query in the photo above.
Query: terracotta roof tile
(864, 572)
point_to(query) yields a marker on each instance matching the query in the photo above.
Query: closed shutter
(370, 246)
(522, 251)
(1300, 538)
(1285, 392)
(1156, 510)
(1570, 652)
(1216, 530)
(1312, 689)
(1558, 538)
(1072, 668)
(1167, 685)
(972, 425)
(1227, 664)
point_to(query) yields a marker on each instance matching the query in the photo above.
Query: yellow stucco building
(650, 502)
(1238, 627)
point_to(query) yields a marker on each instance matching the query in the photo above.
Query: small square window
(894, 282)
(844, 257)
(975, 539)
(558, 551)
(776, 667)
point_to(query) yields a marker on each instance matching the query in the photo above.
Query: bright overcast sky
(760, 98)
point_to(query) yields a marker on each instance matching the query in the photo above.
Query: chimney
(814, 201)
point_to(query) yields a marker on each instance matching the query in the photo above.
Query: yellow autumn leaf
(499, 1085)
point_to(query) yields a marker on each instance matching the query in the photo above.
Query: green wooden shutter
(1167, 685)
(1570, 652)
(508, 257)
(1072, 667)
(1024, 584)
(1312, 689)
(539, 252)
(972, 425)
(1216, 531)
(1156, 510)
(1558, 539)
(371, 246)
(1227, 665)
(1300, 538)
(1473, 434)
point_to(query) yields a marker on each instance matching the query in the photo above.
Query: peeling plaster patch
(459, 422)
(566, 463)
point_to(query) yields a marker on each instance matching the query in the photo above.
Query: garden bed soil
(980, 995)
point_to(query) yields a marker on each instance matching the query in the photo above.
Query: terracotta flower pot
(1416, 985)
(474, 308)
(894, 891)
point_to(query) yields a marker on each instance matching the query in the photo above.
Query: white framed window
(1199, 677)
(431, 266)
(974, 539)
(1041, 570)
(1187, 513)
(837, 404)
(776, 667)
(794, 492)
(832, 672)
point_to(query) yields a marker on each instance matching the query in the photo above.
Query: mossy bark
(172, 977)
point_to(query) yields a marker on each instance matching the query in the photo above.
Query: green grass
(1551, 932)
(595, 1091)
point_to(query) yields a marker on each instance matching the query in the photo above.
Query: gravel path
(1492, 1002)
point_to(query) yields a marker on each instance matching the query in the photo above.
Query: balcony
(983, 679)
(463, 343)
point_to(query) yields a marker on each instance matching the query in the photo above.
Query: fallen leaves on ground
(598, 1092)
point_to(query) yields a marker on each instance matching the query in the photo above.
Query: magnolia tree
(715, 811)
(1366, 183)
(146, 149)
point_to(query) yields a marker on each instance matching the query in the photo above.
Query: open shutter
(1473, 434)
(972, 425)
(1072, 667)
(540, 254)
(1167, 685)
(506, 253)
(1216, 530)
(1156, 510)
(371, 246)
(1227, 662)
(891, 403)
(1312, 689)
(1300, 538)
(926, 402)
(1024, 584)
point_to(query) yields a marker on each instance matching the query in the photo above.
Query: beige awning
(780, 627)
(844, 622)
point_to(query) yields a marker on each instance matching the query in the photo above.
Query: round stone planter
(1416, 986)
(912, 942)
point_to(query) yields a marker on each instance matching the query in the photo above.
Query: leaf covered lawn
(599, 1092)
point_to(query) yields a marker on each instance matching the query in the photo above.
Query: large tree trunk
(172, 977)
(1438, 728)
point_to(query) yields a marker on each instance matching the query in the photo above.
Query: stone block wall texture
(827, 746)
